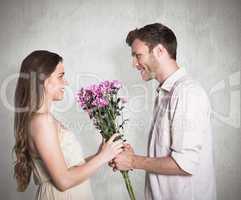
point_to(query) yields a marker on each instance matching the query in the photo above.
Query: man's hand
(124, 160)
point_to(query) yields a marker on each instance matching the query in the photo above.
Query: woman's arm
(99, 149)
(44, 134)
(87, 159)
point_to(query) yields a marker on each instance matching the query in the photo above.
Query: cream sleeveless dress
(73, 156)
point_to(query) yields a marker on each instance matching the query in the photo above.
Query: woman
(43, 146)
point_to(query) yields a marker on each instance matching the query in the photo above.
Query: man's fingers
(115, 160)
(110, 163)
(112, 166)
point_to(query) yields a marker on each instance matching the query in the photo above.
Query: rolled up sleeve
(190, 117)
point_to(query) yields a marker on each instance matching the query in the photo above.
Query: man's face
(143, 60)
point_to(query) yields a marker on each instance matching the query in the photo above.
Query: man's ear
(159, 50)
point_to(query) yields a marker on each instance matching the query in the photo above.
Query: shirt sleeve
(190, 118)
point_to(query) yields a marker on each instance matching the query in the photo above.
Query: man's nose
(135, 62)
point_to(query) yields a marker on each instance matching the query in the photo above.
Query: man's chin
(148, 77)
(145, 78)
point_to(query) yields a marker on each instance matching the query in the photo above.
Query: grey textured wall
(91, 37)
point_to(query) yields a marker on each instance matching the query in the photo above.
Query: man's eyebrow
(133, 53)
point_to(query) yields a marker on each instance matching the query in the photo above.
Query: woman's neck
(46, 107)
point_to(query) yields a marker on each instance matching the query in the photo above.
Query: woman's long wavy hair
(29, 95)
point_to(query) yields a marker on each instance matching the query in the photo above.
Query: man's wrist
(134, 161)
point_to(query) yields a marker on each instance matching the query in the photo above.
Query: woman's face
(55, 84)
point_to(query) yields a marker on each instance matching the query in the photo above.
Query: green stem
(128, 185)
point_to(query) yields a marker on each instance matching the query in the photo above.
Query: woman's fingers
(119, 151)
(127, 146)
(119, 147)
(112, 138)
(117, 143)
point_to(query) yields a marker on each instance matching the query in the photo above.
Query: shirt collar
(170, 81)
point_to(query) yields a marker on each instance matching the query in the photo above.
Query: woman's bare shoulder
(42, 121)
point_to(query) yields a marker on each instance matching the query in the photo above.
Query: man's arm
(188, 129)
(161, 165)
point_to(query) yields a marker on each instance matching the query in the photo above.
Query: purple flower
(96, 95)
(106, 120)
(84, 97)
(116, 84)
(100, 102)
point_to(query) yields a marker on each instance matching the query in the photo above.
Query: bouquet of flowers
(104, 107)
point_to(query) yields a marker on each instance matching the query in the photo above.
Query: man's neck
(166, 70)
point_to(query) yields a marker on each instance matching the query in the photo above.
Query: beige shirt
(181, 129)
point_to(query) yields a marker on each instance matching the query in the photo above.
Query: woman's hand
(111, 149)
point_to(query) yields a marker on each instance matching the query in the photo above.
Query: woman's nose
(66, 82)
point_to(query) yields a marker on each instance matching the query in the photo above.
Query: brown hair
(154, 34)
(29, 95)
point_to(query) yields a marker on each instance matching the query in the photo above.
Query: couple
(179, 163)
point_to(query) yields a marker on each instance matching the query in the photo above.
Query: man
(179, 163)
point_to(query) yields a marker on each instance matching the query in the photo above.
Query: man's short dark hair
(154, 34)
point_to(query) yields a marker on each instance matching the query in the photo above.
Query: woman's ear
(45, 83)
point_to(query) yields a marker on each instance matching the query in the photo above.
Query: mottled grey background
(90, 35)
